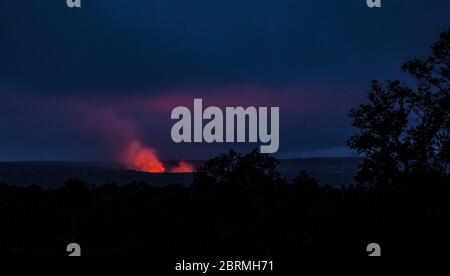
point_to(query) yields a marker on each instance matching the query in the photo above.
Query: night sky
(78, 84)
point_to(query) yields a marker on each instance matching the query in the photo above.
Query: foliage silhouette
(249, 172)
(404, 130)
(218, 218)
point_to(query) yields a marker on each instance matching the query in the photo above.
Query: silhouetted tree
(247, 172)
(305, 183)
(406, 131)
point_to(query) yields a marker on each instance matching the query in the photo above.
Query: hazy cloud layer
(74, 83)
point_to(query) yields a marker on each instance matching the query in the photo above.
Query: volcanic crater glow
(144, 159)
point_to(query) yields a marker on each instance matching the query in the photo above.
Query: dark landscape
(238, 206)
(331, 171)
(140, 82)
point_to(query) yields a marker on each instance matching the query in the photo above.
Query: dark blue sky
(78, 84)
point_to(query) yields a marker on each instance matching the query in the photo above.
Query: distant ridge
(331, 171)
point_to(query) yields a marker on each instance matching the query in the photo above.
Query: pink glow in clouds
(120, 135)
(116, 125)
(298, 100)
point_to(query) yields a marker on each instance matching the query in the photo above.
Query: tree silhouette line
(240, 205)
(405, 129)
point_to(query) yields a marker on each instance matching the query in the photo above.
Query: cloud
(82, 85)
(103, 127)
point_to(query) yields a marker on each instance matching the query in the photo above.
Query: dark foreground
(234, 209)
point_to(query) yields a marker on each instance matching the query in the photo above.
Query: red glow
(183, 167)
(143, 159)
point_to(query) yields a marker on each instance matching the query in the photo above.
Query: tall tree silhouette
(249, 171)
(405, 128)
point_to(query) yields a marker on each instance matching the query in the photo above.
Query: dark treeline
(239, 205)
